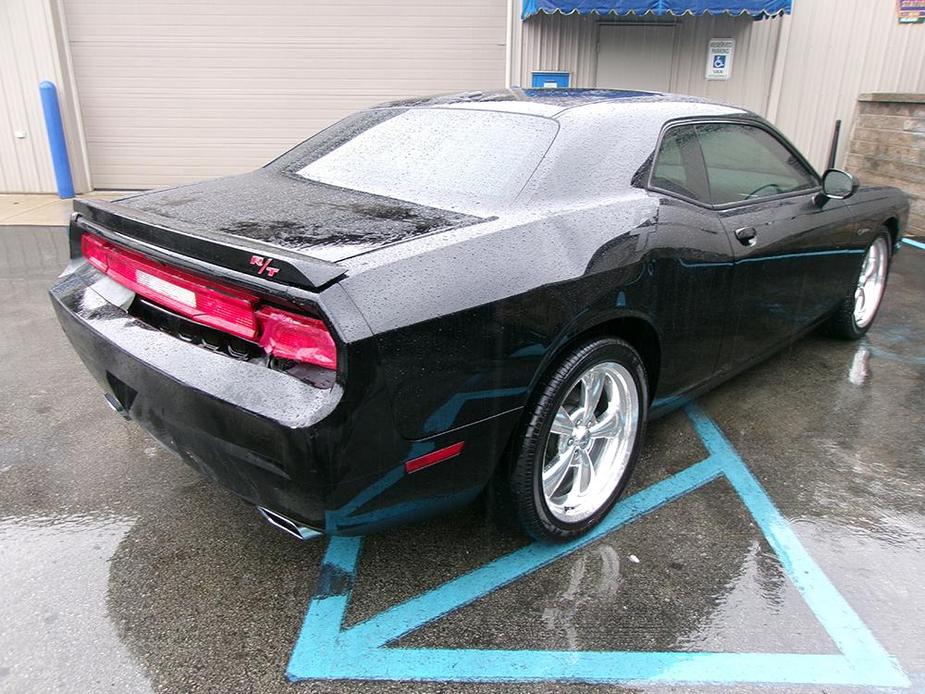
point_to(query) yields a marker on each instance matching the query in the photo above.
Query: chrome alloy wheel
(871, 282)
(590, 442)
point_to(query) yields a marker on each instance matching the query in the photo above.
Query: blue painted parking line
(901, 358)
(915, 244)
(325, 650)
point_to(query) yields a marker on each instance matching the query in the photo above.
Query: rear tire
(857, 311)
(585, 428)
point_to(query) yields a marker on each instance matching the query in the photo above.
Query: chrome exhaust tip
(288, 526)
(116, 406)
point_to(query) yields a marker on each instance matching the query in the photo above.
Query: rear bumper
(240, 424)
(326, 458)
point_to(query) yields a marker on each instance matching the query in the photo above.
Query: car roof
(552, 102)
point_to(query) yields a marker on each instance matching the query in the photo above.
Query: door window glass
(678, 167)
(745, 162)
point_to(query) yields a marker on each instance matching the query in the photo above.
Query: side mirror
(838, 184)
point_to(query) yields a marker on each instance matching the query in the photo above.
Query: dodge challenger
(488, 287)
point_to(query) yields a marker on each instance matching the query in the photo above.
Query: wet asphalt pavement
(122, 570)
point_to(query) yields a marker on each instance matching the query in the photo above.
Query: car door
(789, 249)
(690, 258)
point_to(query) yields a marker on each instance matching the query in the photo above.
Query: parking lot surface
(773, 535)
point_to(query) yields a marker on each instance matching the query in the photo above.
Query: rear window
(454, 159)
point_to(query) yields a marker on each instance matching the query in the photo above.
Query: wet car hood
(294, 213)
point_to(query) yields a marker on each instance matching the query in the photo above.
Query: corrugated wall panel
(178, 91)
(826, 54)
(27, 56)
(753, 60)
(570, 43)
(560, 43)
(836, 50)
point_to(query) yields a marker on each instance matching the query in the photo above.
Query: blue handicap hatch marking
(326, 650)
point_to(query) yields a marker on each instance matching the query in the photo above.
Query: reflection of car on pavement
(435, 293)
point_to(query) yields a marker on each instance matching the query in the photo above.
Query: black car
(434, 294)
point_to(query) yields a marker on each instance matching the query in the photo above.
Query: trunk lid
(289, 214)
(126, 226)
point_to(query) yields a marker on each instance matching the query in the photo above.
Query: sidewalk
(43, 210)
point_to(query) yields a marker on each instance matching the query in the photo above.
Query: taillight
(223, 308)
(281, 333)
(290, 336)
(95, 251)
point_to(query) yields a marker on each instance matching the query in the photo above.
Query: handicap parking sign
(719, 59)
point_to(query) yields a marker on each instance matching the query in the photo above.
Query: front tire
(581, 441)
(857, 311)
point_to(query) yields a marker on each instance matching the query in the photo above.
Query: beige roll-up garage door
(176, 91)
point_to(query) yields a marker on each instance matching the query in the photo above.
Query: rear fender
(583, 327)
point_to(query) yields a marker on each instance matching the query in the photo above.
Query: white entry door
(635, 57)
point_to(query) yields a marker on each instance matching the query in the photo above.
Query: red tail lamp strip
(299, 338)
(434, 457)
(281, 333)
(223, 308)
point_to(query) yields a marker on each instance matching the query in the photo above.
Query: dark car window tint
(678, 167)
(746, 162)
(456, 159)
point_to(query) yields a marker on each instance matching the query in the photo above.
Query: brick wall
(887, 147)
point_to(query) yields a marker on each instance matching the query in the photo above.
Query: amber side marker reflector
(433, 457)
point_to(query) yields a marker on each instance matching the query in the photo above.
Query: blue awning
(754, 8)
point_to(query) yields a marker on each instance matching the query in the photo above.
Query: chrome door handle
(747, 236)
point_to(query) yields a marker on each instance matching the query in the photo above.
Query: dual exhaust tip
(116, 406)
(287, 525)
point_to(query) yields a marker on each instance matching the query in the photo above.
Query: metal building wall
(570, 43)
(559, 43)
(802, 71)
(752, 66)
(834, 51)
(28, 55)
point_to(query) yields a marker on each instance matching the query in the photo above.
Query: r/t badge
(264, 265)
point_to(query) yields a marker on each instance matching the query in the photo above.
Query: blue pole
(56, 140)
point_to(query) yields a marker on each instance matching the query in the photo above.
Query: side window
(745, 162)
(678, 168)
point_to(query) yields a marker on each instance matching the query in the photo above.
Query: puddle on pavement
(54, 618)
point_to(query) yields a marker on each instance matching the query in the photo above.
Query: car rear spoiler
(248, 257)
